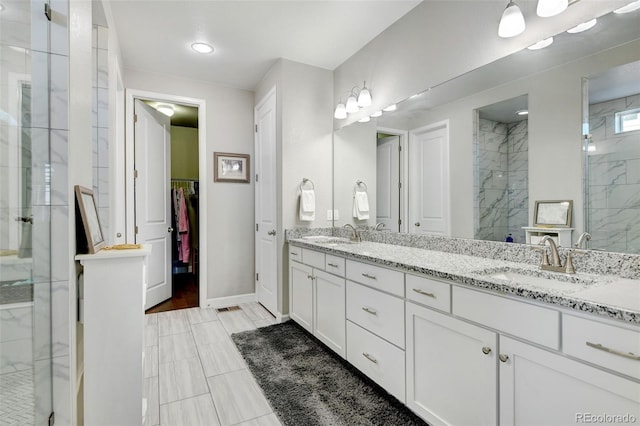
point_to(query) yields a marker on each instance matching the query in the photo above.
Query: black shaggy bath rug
(307, 384)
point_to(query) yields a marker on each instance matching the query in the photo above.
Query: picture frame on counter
(90, 221)
(553, 213)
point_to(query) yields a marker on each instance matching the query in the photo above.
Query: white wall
(230, 206)
(424, 48)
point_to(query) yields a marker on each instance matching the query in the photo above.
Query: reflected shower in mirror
(612, 159)
(501, 164)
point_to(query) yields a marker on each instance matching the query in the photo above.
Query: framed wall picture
(88, 213)
(231, 167)
(553, 214)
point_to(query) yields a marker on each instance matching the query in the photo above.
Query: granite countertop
(604, 295)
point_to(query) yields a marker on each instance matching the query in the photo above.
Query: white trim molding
(224, 302)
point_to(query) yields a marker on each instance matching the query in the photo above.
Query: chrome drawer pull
(373, 277)
(369, 310)
(629, 355)
(293, 253)
(333, 265)
(424, 293)
(311, 277)
(369, 357)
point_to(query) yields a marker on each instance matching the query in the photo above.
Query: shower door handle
(25, 219)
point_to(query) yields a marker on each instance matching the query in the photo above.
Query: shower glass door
(25, 271)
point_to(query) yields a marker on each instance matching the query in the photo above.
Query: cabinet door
(329, 326)
(542, 388)
(450, 378)
(301, 294)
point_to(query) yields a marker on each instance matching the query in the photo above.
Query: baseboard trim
(223, 302)
(282, 318)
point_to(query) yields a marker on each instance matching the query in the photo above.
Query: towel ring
(359, 184)
(305, 180)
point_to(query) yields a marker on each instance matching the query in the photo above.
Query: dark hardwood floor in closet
(185, 294)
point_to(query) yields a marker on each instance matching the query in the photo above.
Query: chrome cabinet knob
(486, 350)
(503, 357)
(417, 224)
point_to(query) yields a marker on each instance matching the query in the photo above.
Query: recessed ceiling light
(582, 27)
(390, 108)
(541, 44)
(202, 47)
(376, 114)
(166, 109)
(522, 112)
(631, 7)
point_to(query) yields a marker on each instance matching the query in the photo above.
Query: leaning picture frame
(88, 212)
(553, 213)
(229, 167)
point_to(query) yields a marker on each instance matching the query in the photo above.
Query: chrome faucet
(582, 239)
(379, 226)
(355, 236)
(556, 264)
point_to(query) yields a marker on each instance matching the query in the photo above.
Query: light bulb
(547, 8)
(633, 6)
(202, 47)
(512, 21)
(541, 44)
(352, 104)
(340, 112)
(364, 98)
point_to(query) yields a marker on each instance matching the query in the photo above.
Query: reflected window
(628, 121)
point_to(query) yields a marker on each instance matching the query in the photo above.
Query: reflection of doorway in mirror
(612, 160)
(501, 164)
(388, 181)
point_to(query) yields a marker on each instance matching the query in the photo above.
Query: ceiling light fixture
(341, 111)
(541, 44)
(631, 7)
(512, 21)
(364, 98)
(201, 47)
(376, 114)
(548, 8)
(390, 108)
(365, 119)
(166, 109)
(522, 112)
(582, 27)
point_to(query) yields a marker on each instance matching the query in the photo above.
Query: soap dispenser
(509, 238)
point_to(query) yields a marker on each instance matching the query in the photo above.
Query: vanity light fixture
(364, 98)
(352, 104)
(512, 21)
(202, 47)
(376, 114)
(548, 8)
(166, 109)
(341, 111)
(582, 27)
(541, 44)
(390, 108)
(631, 7)
(365, 119)
(522, 112)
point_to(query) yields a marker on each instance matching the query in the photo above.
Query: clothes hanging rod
(184, 180)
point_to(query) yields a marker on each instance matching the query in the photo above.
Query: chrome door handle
(272, 232)
(417, 224)
(169, 229)
(369, 357)
(503, 357)
(486, 350)
(424, 293)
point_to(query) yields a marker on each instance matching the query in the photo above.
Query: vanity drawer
(612, 347)
(380, 278)
(426, 291)
(334, 265)
(295, 253)
(379, 360)
(378, 312)
(313, 258)
(523, 320)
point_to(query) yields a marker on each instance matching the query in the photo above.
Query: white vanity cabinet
(301, 294)
(538, 387)
(451, 369)
(329, 326)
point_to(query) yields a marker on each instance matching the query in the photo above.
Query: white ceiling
(249, 36)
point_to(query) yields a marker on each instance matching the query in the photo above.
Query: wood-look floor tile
(176, 347)
(220, 357)
(208, 333)
(236, 321)
(151, 319)
(237, 397)
(268, 420)
(256, 311)
(265, 322)
(150, 392)
(196, 411)
(151, 335)
(181, 379)
(198, 315)
(172, 322)
(151, 361)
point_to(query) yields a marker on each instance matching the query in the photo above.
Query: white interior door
(388, 183)
(429, 181)
(266, 219)
(152, 197)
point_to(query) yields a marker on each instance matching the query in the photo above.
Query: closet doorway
(168, 167)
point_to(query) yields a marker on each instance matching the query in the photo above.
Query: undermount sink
(541, 279)
(323, 239)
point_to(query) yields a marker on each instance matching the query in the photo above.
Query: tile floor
(194, 375)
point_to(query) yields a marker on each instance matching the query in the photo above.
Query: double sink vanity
(474, 332)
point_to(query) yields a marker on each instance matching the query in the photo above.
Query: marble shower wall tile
(17, 323)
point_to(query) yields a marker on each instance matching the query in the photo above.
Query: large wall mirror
(457, 160)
